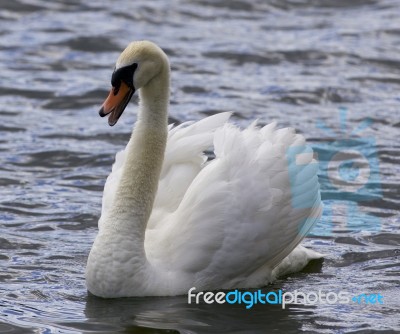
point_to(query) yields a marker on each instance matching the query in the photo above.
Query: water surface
(331, 69)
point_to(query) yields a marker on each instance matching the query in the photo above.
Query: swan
(172, 219)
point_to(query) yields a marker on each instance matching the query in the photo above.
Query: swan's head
(137, 65)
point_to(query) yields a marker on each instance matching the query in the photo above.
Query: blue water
(331, 69)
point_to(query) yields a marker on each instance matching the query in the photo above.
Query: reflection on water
(175, 313)
(298, 62)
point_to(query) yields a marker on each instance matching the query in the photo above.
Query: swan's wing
(184, 157)
(244, 211)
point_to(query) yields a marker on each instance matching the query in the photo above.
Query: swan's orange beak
(116, 102)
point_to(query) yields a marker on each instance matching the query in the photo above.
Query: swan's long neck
(137, 188)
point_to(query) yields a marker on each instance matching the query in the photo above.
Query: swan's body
(172, 220)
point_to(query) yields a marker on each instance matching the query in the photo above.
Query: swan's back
(228, 222)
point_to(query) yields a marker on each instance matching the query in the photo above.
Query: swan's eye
(124, 74)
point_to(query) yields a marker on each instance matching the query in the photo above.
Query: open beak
(116, 103)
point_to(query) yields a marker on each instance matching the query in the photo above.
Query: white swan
(172, 220)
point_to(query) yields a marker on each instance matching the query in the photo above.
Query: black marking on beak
(124, 74)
